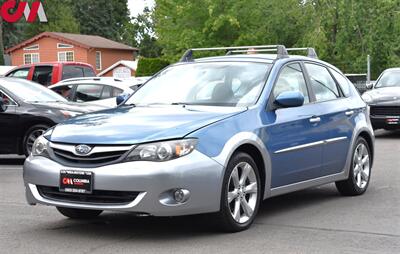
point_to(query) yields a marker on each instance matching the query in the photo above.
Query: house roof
(85, 41)
(130, 64)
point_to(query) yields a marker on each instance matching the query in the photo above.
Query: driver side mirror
(121, 98)
(290, 99)
(3, 106)
(370, 86)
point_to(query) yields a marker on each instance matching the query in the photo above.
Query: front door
(8, 126)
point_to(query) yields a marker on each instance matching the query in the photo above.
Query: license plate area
(74, 181)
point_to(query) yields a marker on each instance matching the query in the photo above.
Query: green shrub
(150, 66)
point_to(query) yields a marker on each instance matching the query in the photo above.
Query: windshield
(212, 84)
(389, 79)
(32, 92)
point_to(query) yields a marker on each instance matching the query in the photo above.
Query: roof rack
(281, 50)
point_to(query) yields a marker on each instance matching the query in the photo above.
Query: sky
(137, 6)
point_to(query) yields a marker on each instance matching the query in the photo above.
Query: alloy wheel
(242, 192)
(361, 166)
(32, 137)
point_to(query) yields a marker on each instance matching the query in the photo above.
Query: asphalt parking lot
(317, 220)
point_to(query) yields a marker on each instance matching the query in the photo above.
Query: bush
(150, 66)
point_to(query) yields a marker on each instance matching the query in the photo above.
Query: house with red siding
(98, 51)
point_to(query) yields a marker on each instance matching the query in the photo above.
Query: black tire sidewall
(230, 224)
(27, 134)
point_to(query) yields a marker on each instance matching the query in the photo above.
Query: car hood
(134, 125)
(385, 95)
(70, 106)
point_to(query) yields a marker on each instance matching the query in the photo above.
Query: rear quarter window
(343, 82)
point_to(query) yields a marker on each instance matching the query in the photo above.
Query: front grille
(385, 111)
(100, 197)
(97, 158)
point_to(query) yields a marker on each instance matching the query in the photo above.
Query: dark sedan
(27, 110)
(384, 100)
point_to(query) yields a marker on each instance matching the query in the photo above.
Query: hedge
(150, 66)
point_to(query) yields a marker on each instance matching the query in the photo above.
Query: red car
(51, 73)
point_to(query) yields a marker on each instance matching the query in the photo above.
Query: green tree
(102, 17)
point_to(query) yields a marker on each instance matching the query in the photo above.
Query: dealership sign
(13, 12)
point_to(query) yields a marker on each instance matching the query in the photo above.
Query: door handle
(349, 113)
(315, 119)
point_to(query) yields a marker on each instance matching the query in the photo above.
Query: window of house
(322, 83)
(98, 60)
(67, 56)
(31, 58)
(33, 47)
(64, 46)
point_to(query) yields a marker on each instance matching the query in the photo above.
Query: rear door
(8, 125)
(335, 115)
(295, 137)
(88, 92)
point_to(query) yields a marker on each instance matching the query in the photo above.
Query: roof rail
(310, 51)
(281, 50)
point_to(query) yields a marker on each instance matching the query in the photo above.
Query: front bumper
(196, 172)
(385, 122)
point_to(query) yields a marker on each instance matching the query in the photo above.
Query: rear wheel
(79, 214)
(241, 194)
(360, 171)
(31, 135)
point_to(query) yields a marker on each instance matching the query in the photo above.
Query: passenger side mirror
(3, 106)
(121, 98)
(290, 99)
(370, 86)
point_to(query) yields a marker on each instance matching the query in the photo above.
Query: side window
(88, 92)
(64, 91)
(322, 83)
(344, 83)
(43, 75)
(71, 71)
(21, 73)
(116, 92)
(88, 72)
(6, 100)
(291, 79)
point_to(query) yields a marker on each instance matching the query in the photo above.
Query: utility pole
(368, 69)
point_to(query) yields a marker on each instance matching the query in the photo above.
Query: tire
(31, 135)
(235, 203)
(79, 214)
(358, 181)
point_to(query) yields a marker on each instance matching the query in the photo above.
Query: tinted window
(116, 92)
(322, 83)
(43, 75)
(88, 72)
(64, 91)
(21, 73)
(88, 92)
(6, 100)
(71, 71)
(344, 83)
(291, 79)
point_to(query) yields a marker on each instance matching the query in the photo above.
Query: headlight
(69, 114)
(162, 151)
(367, 98)
(39, 147)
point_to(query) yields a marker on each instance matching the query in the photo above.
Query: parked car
(384, 100)
(27, 110)
(50, 73)
(212, 135)
(99, 91)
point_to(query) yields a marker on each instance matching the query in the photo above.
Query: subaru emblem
(83, 149)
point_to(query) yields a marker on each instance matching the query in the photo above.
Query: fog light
(181, 195)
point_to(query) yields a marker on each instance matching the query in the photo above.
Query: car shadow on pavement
(382, 134)
(17, 161)
(128, 226)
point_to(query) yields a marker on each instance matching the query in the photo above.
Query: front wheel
(31, 135)
(241, 194)
(360, 171)
(79, 214)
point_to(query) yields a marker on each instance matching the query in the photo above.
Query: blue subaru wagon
(211, 135)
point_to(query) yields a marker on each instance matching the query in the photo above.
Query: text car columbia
(212, 135)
